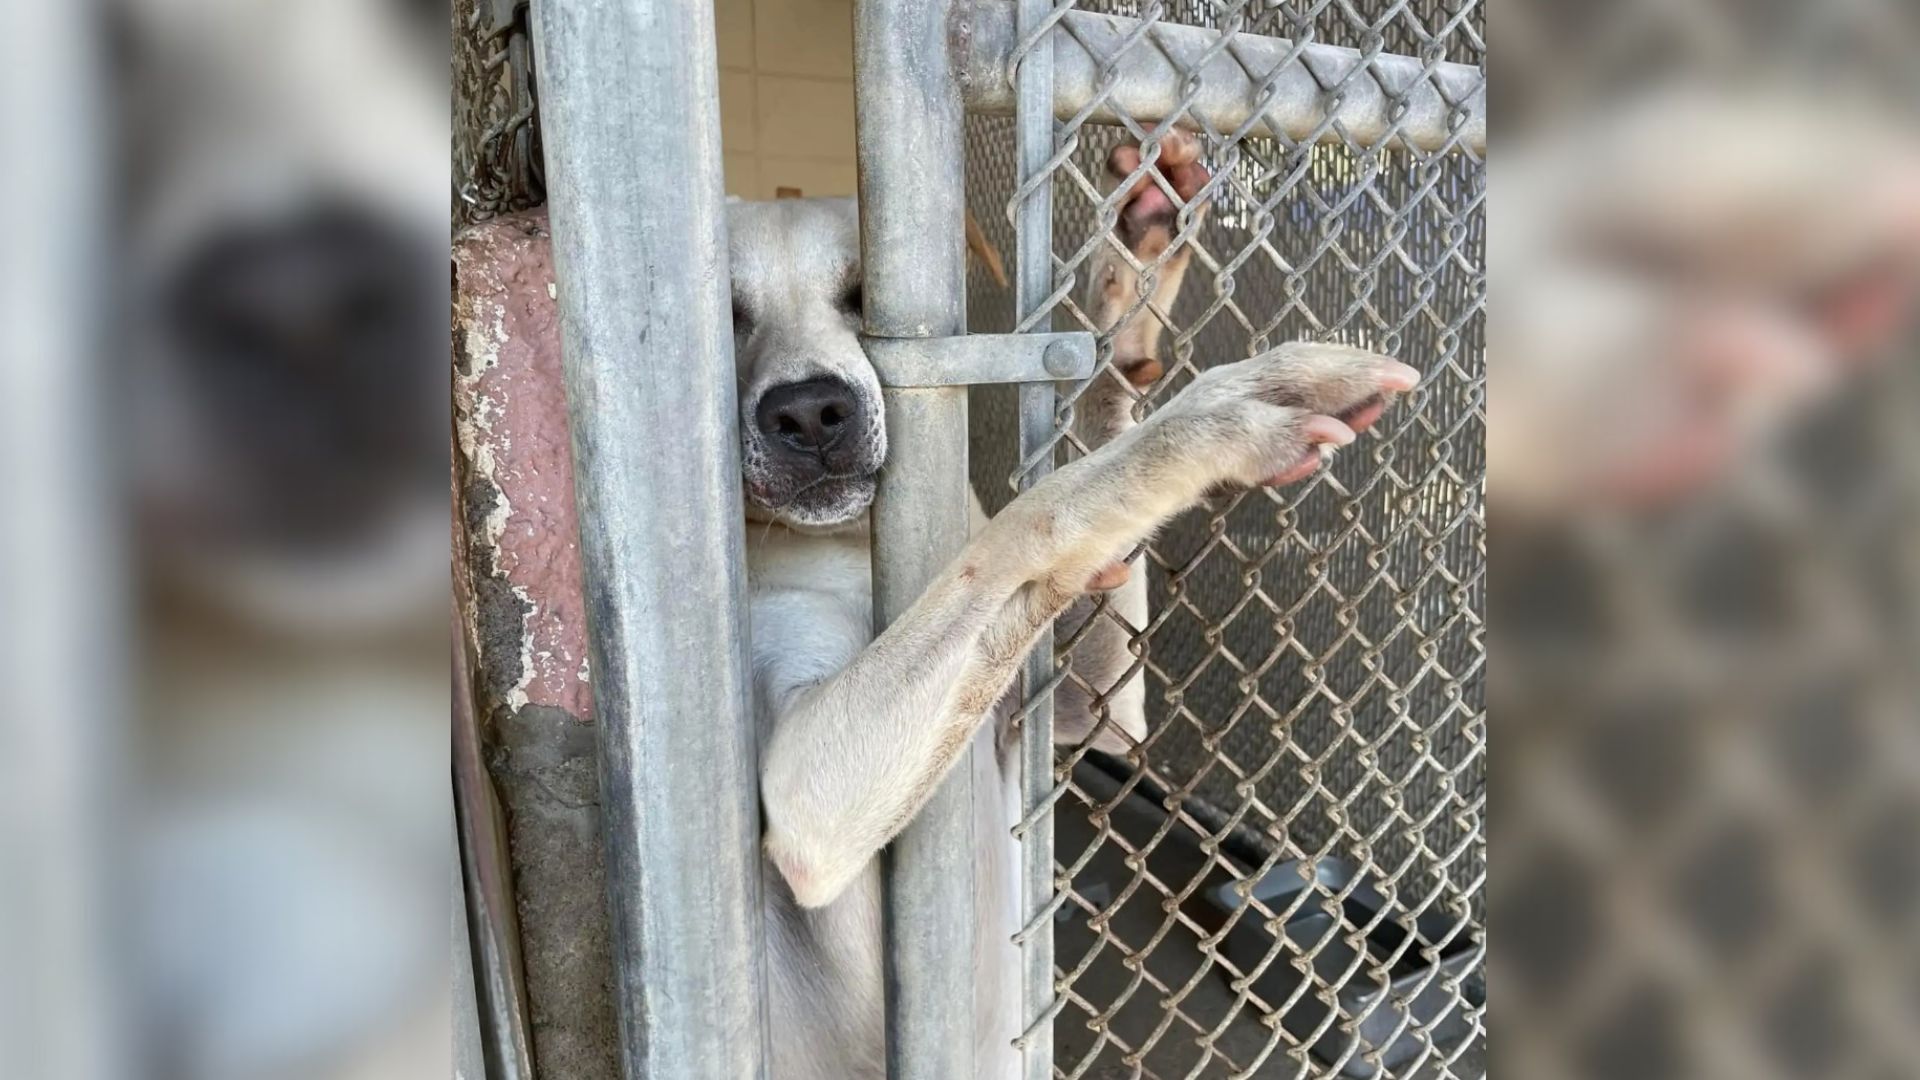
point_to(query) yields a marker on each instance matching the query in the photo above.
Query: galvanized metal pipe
(630, 120)
(1033, 281)
(1152, 78)
(912, 241)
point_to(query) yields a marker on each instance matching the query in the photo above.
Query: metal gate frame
(920, 67)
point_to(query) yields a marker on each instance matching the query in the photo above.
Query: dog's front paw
(1265, 421)
(1148, 222)
(1148, 215)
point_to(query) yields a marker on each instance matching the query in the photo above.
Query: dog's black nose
(812, 417)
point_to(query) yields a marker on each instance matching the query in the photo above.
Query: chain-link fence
(1285, 877)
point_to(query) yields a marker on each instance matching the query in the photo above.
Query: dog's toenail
(1398, 377)
(1326, 429)
(1111, 576)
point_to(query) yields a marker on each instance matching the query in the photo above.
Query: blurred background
(226, 847)
(228, 840)
(1702, 488)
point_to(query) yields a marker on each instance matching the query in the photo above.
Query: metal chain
(496, 130)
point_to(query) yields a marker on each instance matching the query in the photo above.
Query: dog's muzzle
(813, 452)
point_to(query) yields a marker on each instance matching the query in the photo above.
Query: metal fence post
(629, 95)
(1033, 282)
(908, 115)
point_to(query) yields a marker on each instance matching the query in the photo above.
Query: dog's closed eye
(851, 300)
(742, 318)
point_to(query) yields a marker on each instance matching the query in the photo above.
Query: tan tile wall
(786, 95)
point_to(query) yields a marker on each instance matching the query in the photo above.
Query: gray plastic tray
(1384, 999)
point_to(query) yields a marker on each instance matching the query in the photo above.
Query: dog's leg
(1127, 298)
(854, 757)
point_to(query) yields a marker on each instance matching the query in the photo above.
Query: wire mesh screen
(1285, 877)
(496, 131)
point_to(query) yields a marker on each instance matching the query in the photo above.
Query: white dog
(857, 731)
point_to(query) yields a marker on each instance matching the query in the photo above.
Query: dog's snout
(817, 416)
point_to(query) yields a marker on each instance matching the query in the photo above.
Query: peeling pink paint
(510, 417)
